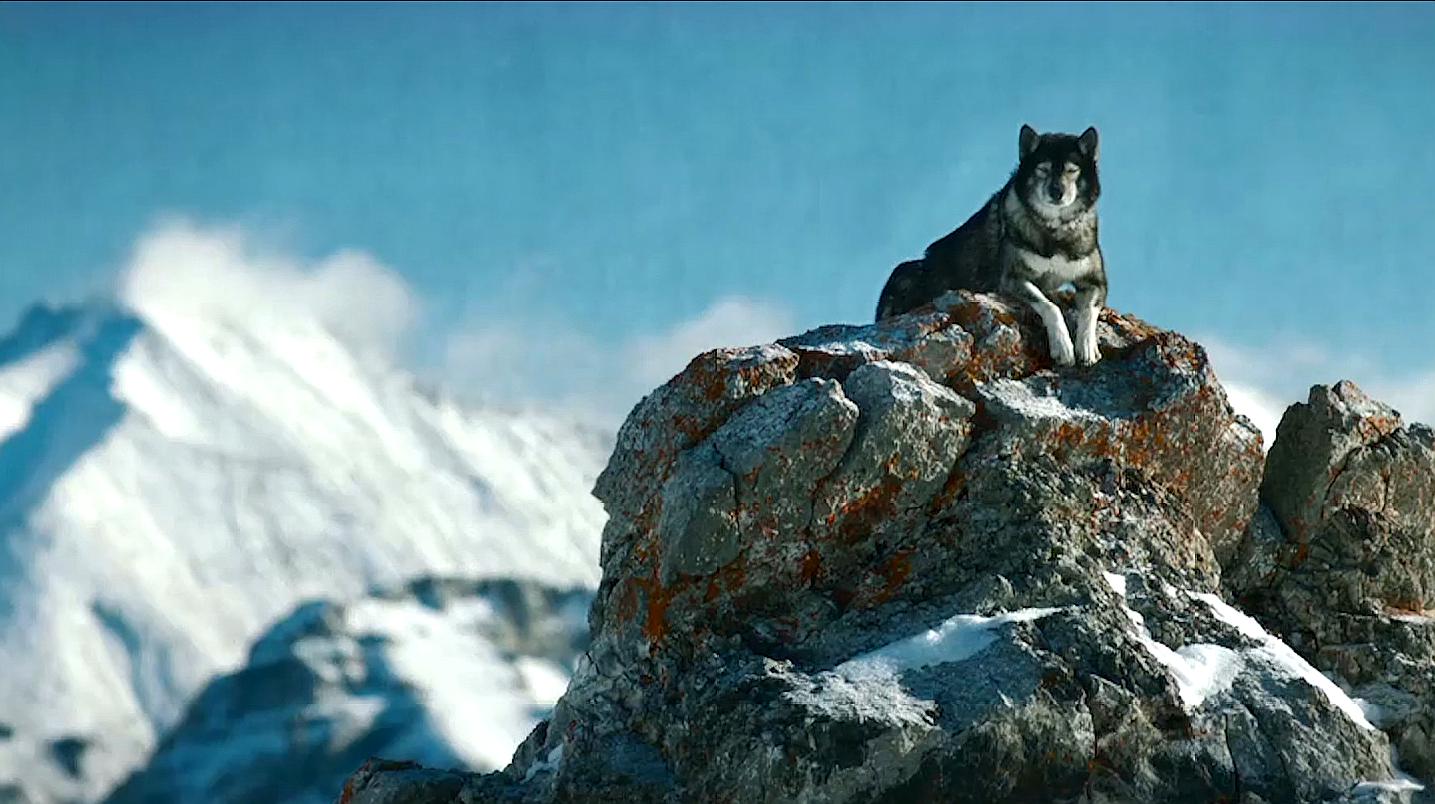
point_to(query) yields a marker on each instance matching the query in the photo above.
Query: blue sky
(611, 173)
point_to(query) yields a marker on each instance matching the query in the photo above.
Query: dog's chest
(1057, 268)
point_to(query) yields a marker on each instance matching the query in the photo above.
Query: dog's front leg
(1089, 301)
(1057, 337)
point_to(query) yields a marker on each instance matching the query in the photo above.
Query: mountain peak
(174, 476)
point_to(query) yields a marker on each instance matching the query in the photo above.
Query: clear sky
(608, 174)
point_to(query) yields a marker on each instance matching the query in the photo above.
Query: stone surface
(400, 783)
(913, 562)
(1313, 443)
(1344, 564)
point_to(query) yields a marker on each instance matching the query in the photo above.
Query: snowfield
(175, 477)
(447, 673)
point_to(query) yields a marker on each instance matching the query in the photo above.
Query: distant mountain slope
(449, 673)
(172, 481)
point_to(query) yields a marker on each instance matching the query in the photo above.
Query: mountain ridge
(447, 671)
(173, 479)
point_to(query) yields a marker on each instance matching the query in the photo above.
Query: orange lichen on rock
(858, 517)
(894, 574)
(655, 626)
(811, 567)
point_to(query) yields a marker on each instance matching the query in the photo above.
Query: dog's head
(1057, 173)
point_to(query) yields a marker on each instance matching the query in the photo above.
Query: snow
(1204, 670)
(482, 700)
(443, 673)
(172, 482)
(1200, 671)
(864, 686)
(1402, 783)
(1117, 582)
(1283, 657)
(475, 697)
(1413, 619)
(954, 640)
(28, 380)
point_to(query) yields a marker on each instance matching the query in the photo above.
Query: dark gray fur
(1019, 244)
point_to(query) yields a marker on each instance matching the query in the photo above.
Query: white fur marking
(1057, 337)
(1087, 351)
(1056, 265)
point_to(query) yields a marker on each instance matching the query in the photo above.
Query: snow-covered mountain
(450, 673)
(175, 477)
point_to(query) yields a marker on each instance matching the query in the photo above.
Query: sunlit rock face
(914, 561)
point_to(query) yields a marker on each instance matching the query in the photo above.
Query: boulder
(914, 561)
(1342, 559)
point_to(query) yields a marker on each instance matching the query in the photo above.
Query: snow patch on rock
(955, 639)
(1201, 671)
(1282, 656)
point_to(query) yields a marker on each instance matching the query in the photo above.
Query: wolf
(1032, 238)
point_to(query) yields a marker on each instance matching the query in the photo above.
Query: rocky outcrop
(914, 562)
(1343, 561)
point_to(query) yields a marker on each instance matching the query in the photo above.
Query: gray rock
(1345, 565)
(909, 435)
(1163, 414)
(698, 525)
(681, 413)
(391, 782)
(1312, 444)
(912, 562)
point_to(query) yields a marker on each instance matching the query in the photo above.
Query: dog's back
(966, 258)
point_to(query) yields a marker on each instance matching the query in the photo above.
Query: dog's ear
(1088, 143)
(1027, 140)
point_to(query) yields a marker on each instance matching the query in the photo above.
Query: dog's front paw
(1062, 353)
(1086, 352)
